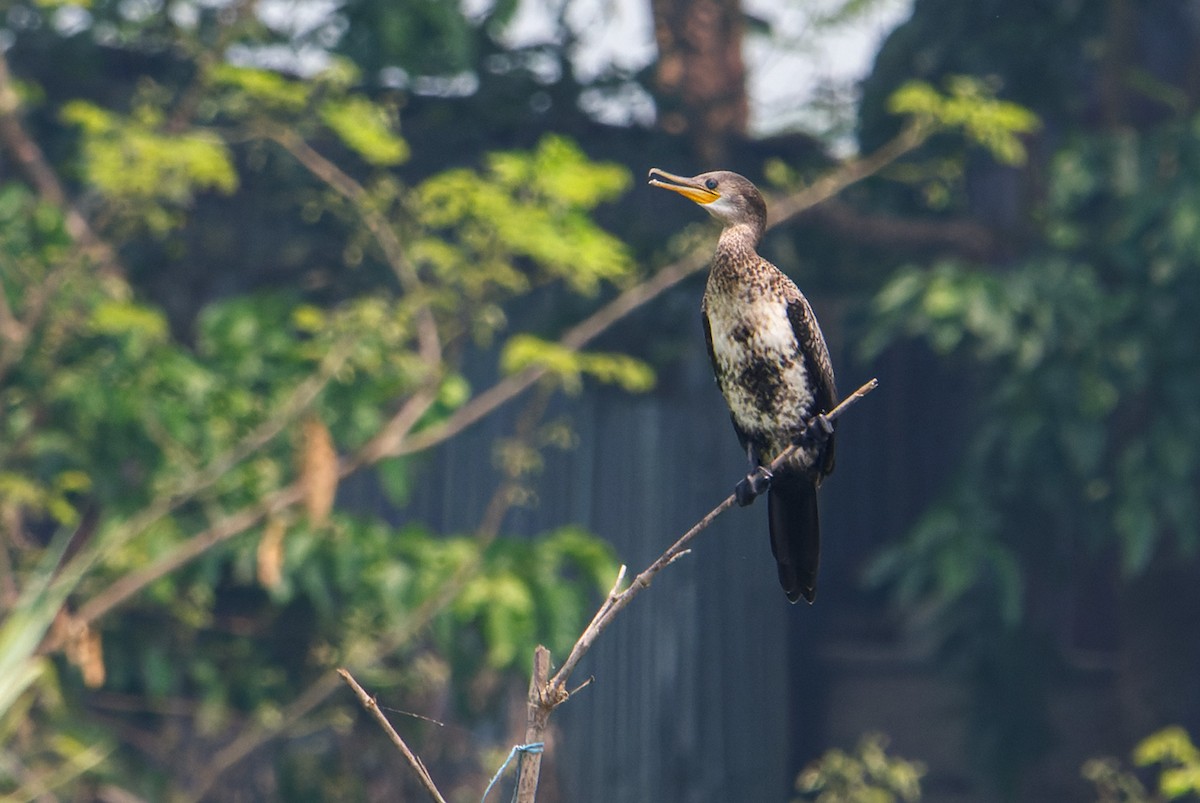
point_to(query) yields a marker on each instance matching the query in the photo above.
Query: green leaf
(521, 222)
(128, 318)
(969, 105)
(152, 172)
(263, 87)
(366, 128)
(395, 481)
(526, 351)
(1170, 745)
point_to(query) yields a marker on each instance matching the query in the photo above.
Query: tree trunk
(701, 79)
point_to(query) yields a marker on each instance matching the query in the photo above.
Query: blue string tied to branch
(531, 748)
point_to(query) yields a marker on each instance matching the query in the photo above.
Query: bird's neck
(738, 242)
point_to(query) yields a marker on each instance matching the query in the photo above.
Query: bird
(772, 365)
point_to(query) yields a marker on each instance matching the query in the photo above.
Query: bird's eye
(711, 184)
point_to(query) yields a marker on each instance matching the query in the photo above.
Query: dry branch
(414, 761)
(546, 695)
(537, 717)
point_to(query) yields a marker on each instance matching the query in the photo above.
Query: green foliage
(520, 597)
(953, 555)
(520, 222)
(150, 444)
(867, 775)
(254, 90)
(366, 127)
(1086, 346)
(149, 172)
(871, 775)
(569, 366)
(1113, 783)
(1086, 435)
(968, 105)
(1171, 749)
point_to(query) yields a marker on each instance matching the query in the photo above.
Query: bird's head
(727, 196)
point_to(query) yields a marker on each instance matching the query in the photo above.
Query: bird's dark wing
(817, 364)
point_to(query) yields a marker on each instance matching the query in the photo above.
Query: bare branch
(783, 210)
(414, 761)
(550, 693)
(546, 695)
(966, 237)
(390, 439)
(224, 529)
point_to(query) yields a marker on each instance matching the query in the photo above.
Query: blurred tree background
(266, 267)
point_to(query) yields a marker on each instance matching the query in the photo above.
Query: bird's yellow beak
(687, 187)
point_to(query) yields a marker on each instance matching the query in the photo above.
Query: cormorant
(773, 367)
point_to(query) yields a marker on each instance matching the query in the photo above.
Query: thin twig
(368, 702)
(395, 432)
(590, 680)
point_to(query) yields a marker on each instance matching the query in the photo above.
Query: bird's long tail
(795, 534)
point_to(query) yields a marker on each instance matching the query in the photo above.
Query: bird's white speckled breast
(760, 367)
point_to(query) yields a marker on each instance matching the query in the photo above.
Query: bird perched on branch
(773, 368)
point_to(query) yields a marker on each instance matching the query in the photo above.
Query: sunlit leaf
(969, 105)
(367, 128)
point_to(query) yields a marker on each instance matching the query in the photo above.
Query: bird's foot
(819, 429)
(752, 486)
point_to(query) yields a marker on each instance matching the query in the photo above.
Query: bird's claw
(819, 429)
(752, 486)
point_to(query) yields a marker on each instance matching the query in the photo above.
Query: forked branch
(545, 697)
